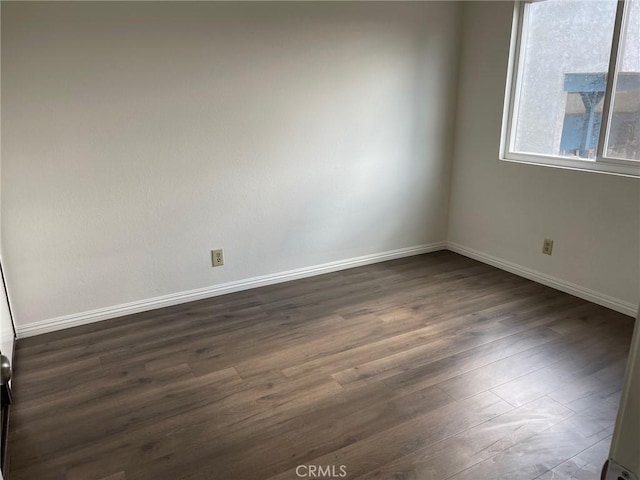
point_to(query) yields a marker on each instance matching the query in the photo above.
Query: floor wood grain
(431, 367)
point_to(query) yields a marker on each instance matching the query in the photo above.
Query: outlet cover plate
(217, 258)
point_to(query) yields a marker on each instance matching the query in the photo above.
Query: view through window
(623, 139)
(559, 103)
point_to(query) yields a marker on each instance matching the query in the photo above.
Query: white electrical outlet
(547, 246)
(217, 259)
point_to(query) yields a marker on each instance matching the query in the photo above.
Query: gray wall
(140, 135)
(503, 211)
(6, 327)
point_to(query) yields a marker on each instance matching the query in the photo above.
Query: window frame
(601, 163)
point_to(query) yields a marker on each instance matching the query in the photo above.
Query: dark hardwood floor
(431, 367)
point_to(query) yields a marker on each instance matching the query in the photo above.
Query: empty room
(315, 240)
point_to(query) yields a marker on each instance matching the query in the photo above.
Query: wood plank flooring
(431, 367)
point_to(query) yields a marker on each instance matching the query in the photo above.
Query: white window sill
(626, 169)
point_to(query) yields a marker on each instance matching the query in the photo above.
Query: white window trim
(601, 164)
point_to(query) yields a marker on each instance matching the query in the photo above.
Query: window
(573, 97)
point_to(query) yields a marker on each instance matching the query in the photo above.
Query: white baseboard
(83, 318)
(553, 282)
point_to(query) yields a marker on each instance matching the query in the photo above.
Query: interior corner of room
(127, 160)
(140, 140)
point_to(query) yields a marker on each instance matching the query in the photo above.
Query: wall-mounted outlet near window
(547, 246)
(217, 259)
